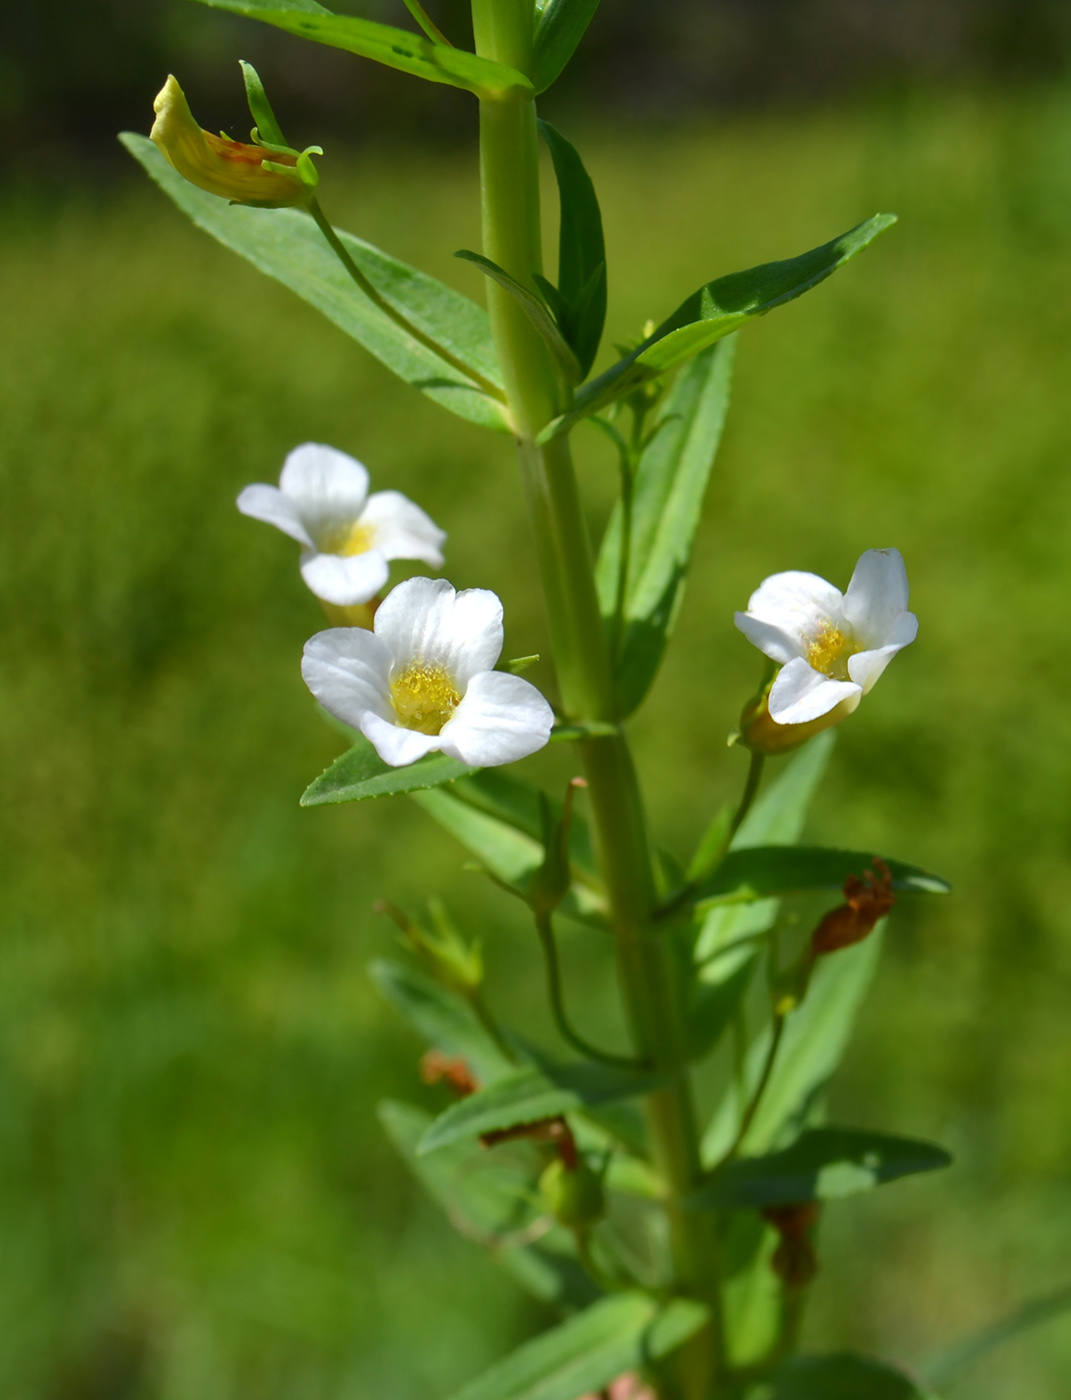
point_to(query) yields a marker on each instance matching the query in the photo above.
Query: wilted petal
(500, 718)
(345, 579)
(877, 597)
(401, 530)
(271, 505)
(425, 620)
(348, 670)
(329, 487)
(800, 693)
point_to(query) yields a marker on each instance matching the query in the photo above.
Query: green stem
(430, 28)
(545, 929)
(400, 320)
(751, 790)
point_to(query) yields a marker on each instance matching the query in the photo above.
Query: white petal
(348, 670)
(797, 605)
(877, 596)
(866, 666)
(328, 487)
(345, 579)
(501, 718)
(424, 619)
(800, 693)
(401, 530)
(271, 505)
(770, 640)
(395, 744)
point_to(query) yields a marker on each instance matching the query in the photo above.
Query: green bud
(574, 1196)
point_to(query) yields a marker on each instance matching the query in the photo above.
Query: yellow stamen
(829, 651)
(424, 697)
(347, 540)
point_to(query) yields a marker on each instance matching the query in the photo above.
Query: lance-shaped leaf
(823, 1164)
(442, 1018)
(581, 251)
(839, 1377)
(815, 1037)
(561, 27)
(536, 311)
(715, 311)
(360, 773)
(491, 1201)
(531, 1094)
(396, 48)
(756, 872)
(713, 1004)
(287, 245)
(667, 502)
(619, 1334)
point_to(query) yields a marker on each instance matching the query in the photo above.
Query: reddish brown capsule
(867, 900)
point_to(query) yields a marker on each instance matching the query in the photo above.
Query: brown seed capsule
(867, 900)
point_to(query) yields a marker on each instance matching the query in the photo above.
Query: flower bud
(266, 177)
(573, 1195)
(761, 733)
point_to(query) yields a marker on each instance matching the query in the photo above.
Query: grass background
(197, 1202)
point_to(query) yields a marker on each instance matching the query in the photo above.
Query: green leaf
(360, 773)
(813, 1043)
(561, 27)
(840, 1377)
(759, 871)
(287, 245)
(670, 483)
(581, 250)
(531, 1094)
(714, 311)
(534, 309)
(823, 1164)
(587, 1352)
(442, 1018)
(713, 1004)
(397, 48)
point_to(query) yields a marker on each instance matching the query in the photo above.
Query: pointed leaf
(581, 250)
(714, 311)
(397, 48)
(444, 1019)
(823, 1164)
(360, 773)
(531, 1094)
(713, 1004)
(587, 1352)
(561, 27)
(840, 1377)
(287, 245)
(670, 485)
(534, 309)
(759, 871)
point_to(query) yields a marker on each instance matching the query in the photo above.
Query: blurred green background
(196, 1200)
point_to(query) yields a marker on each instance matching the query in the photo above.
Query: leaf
(287, 245)
(587, 1352)
(759, 871)
(531, 1094)
(360, 773)
(441, 1017)
(713, 1004)
(534, 309)
(561, 27)
(714, 311)
(813, 1043)
(671, 481)
(397, 48)
(512, 800)
(840, 1377)
(581, 250)
(823, 1164)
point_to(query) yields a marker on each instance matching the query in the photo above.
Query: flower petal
(271, 505)
(348, 670)
(395, 744)
(877, 597)
(401, 530)
(800, 693)
(866, 666)
(328, 487)
(770, 640)
(501, 718)
(424, 619)
(798, 606)
(345, 579)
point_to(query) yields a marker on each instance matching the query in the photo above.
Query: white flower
(832, 646)
(423, 679)
(322, 501)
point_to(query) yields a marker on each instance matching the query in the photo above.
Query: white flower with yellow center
(831, 646)
(423, 679)
(322, 501)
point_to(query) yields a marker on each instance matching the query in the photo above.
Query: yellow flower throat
(424, 697)
(348, 540)
(829, 651)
